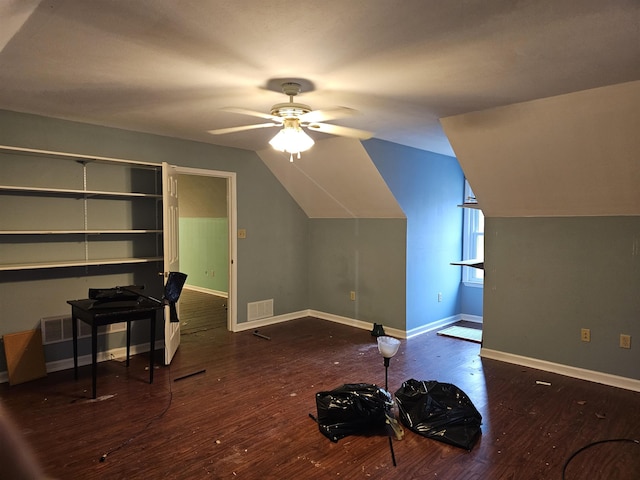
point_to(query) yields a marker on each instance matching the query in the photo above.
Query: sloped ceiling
(570, 155)
(169, 68)
(335, 179)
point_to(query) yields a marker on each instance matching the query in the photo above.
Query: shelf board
(75, 192)
(75, 232)
(470, 263)
(66, 197)
(78, 157)
(473, 205)
(77, 263)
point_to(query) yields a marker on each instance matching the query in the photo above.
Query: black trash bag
(440, 411)
(352, 409)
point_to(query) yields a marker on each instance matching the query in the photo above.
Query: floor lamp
(388, 347)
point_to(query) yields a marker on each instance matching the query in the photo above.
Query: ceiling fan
(293, 117)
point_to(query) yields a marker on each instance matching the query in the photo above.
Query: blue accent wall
(429, 187)
(472, 300)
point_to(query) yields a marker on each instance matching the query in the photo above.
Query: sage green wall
(428, 187)
(364, 255)
(204, 232)
(204, 247)
(546, 278)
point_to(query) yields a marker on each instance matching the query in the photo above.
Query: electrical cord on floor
(157, 417)
(589, 445)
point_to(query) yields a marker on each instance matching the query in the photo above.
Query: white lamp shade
(291, 139)
(388, 346)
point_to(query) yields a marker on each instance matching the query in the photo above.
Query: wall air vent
(58, 329)
(258, 310)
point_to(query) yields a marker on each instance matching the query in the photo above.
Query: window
(473, 239)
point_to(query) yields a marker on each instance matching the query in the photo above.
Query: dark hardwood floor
(201, 311)
(247, 415)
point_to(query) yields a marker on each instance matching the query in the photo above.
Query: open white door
(171, 258)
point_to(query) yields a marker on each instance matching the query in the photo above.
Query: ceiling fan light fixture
(292, 139)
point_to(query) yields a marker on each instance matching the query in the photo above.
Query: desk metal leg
(94, 357)
(74, 329)
(152, 346)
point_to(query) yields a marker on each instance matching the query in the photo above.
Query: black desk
(86, 311)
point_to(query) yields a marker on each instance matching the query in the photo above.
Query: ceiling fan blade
(242, 128)
(341, 131)
(324, 115)
(253, 113)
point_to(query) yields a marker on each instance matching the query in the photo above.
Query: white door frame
(232, 213)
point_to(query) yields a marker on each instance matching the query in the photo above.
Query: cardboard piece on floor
(25, 356)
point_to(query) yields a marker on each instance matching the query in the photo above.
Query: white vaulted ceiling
(169, 68)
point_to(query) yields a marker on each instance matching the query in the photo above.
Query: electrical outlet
(242, 233)
(585, 334)
(625, 341)
(352, 295)
(439, 296)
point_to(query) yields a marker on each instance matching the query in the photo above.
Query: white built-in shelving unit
(66, 210)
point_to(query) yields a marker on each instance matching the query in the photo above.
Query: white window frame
(472, 234)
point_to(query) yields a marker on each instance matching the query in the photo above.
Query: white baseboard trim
(263, 322)
(471, 318)
(430, 327)
(352, 322)
(114, 353)
(566, 370)
(206, 290)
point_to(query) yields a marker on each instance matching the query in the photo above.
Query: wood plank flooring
(247, 415)
(201, 311)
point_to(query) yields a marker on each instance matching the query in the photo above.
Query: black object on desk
(95, 313)
(172, 290)
(123, 304)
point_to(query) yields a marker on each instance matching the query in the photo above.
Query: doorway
(207, 245)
